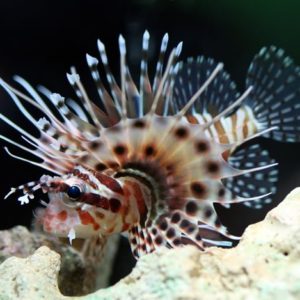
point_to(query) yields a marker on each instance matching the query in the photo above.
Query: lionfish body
(153, 161)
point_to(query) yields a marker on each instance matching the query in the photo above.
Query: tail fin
(275, 98)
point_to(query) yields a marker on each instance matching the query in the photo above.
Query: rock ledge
(265, 265)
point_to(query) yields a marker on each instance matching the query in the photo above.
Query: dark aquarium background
(40, 40)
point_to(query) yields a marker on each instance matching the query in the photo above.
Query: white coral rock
(265, 265)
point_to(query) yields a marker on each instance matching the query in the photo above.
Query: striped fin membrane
(176, 138)
(235, 127)
(276, 92)
(252, 184)
(191, 76)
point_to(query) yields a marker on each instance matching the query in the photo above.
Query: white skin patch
(24, 199)
(71, 235)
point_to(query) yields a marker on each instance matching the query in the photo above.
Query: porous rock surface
(81, 270)
(265, 265)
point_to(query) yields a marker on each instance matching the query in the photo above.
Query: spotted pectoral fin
(191, 76)
(253, 184)
(143, 240)
(201, 229)
(211, 237)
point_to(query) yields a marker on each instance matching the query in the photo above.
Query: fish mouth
(59, 217)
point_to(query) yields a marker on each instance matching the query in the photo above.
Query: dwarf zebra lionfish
(153, 160)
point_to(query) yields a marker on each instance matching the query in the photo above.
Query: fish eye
(74, 192)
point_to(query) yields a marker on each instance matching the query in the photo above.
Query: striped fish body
(234, 129)
(153, 161)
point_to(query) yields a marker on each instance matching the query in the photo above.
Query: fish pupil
(74, 192)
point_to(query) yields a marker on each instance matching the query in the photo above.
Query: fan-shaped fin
(275, 98)
(192, 75)
(252, 184)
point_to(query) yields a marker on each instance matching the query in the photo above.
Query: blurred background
(40, 40)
